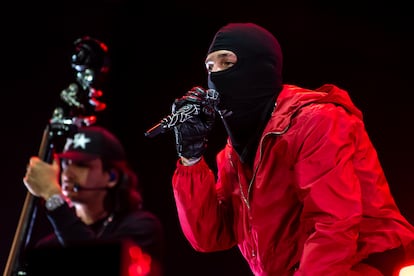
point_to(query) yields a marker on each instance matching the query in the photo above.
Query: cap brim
(78, 156)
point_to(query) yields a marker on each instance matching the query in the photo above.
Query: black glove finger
(197, 91)
(194, 96)
(197, 94)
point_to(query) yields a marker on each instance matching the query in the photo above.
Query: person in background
(97, 199)
(299, 187)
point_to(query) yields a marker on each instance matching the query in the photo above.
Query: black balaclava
(248, 90)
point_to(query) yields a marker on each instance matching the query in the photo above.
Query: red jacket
(317, 195)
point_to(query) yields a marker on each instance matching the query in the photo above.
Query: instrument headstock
(81, 99)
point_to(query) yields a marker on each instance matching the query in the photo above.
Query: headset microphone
(77, 188)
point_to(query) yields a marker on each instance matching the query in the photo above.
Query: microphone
(77, 188)
(184, 113)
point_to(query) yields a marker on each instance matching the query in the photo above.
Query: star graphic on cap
(80, 140)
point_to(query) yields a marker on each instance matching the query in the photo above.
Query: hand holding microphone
(192, 119)
(193, 103)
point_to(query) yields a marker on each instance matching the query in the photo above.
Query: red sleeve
(205, 220)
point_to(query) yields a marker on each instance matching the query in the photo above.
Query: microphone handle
(155, 130)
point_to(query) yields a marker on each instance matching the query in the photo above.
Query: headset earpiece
(112, 176)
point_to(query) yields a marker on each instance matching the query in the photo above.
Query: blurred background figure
(96, 201)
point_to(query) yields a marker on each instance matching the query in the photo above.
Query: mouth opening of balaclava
(248, 90)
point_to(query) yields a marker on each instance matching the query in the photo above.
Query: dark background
(157, 52)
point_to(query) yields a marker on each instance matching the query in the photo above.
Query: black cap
(93, 142)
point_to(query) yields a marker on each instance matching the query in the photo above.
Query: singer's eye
(220, 60)
(227, 64)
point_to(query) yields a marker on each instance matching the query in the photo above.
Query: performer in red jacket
(299, 186)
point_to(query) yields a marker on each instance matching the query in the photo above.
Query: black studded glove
(191, 136)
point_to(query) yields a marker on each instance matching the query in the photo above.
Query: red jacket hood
(292, 98)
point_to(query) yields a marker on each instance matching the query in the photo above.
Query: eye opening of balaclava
(248, 90)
